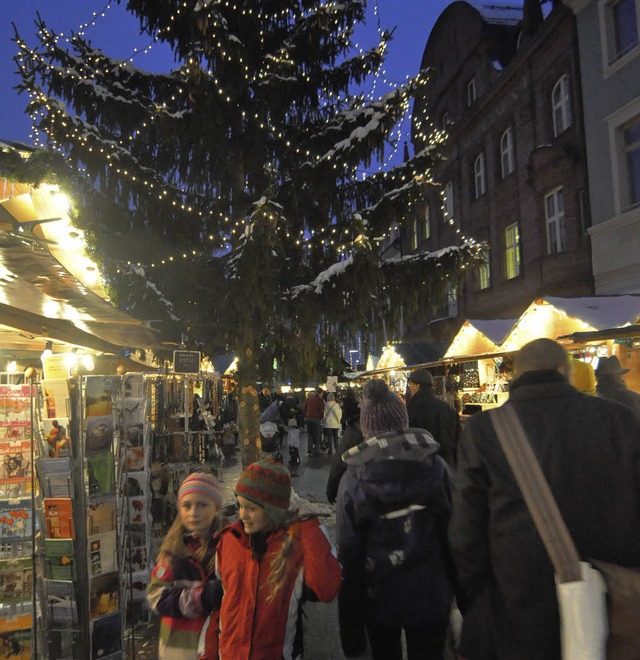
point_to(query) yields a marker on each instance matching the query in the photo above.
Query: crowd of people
(430, 520)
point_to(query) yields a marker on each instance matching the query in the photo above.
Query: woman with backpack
(393, 505)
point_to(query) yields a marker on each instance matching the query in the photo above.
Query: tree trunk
(248, 408)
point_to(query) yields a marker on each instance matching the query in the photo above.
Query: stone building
(608, 34)
(505, 85)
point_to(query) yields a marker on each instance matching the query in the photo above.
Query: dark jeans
(331, 436)
(424, 643)
(314, 433)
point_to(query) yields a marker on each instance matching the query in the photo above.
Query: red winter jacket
(251, 627)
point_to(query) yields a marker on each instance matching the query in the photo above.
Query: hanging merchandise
(16, 521)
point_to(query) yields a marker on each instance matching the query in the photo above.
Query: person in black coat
(589, 452)
(350, 438)
(394, 503)
(427, 411)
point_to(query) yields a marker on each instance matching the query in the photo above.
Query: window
(507, 158)
(471, 92)
(414, 234)
(622, 28)
(479, 176)
(560, 106)
(631, 147)
(554, 212)
(512, 251)
(447, 202)
(483, 273)
(427, 223)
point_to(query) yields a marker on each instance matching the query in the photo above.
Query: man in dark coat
(427, 411)
(589, 451)
(610, 384)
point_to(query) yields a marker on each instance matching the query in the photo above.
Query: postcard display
(16, 522)
(91, 430)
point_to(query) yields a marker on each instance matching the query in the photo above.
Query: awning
(49, 288)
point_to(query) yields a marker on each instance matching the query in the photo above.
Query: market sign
(186, 362)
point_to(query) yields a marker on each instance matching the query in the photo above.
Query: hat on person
(199, 483)
(609, 366)
(381, 410)
(267, 483)
(541, 354)
(421, 377)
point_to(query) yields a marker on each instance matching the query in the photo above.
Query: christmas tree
(235, 196)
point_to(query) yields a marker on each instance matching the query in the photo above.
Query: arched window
(560, 105)
(479, 176)
(507, 157)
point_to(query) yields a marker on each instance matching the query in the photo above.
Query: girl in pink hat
(179, 590)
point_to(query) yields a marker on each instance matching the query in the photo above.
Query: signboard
(332, 383)
(55, 366)
(186, 362)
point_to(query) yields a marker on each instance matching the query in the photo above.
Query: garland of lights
(325, 237)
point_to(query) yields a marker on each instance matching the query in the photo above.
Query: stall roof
(49, 288)
(410, 353)
(555, 317)
(495, 329)
(626, 332)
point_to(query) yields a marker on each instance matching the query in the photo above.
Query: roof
(49, 288)
(600, 312)
(499, 13)
(222, 362)
(494, 329)
(416, 352)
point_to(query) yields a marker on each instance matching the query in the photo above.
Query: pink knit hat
(202, 484)
(381, 410)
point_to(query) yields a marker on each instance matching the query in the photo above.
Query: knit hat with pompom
(381, 410)
(267, 483)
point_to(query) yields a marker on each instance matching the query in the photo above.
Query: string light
(82, 134)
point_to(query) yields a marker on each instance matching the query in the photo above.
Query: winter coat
(332, 415)
(427, 411)
(589, 451)
(393, 505)
(183, 597)
(614, 389)
(350, 438)
(251, 627)
(314, 407)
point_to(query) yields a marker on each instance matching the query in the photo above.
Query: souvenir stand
(18, 626)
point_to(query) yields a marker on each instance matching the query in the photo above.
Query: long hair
(282, 565)
(173, 544)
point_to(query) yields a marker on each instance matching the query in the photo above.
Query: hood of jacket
(398, 467)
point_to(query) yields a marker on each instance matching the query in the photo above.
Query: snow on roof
(499, 13)
(600, 311)
(494, 329)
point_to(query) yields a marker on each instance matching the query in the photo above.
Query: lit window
(447, 202)
(507, 159)
(554, 211)
(560, 106)
(414, 234)
(471, 92)
(622, 28)
(512, 251)
(427, 223)
(479, 176)
(631, 146)
(483, 273)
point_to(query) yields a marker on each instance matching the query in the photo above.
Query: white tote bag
(583, 616)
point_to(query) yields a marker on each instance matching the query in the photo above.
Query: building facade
(608, 34)
(505, 85)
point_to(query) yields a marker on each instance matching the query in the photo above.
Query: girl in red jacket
(178, 590)
(268, 563)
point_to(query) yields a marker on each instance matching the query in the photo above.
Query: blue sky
(117, 34)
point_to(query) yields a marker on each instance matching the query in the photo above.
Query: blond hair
(173, 544)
